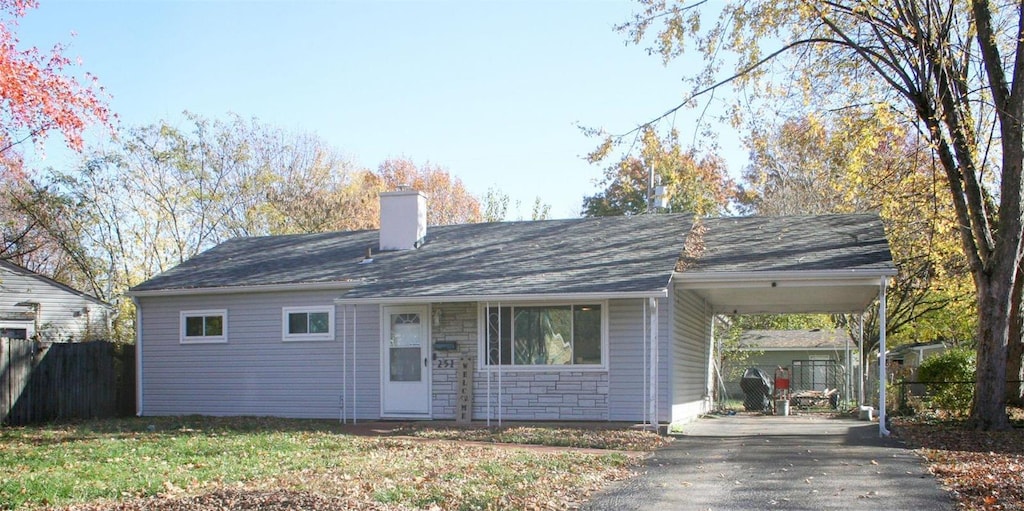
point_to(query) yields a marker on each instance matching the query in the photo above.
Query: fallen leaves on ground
(984, 470)
(404, 475)
(590, 438)
(213, 464)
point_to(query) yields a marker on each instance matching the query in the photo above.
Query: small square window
(204, 326)
(308, 323)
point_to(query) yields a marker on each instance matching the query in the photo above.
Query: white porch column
(862, 359)
(882, 431)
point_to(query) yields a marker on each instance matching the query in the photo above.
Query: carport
(837, 264)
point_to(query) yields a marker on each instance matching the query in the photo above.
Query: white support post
(643, 385)
(487, 355)
(882, 430)
(848, 381)
(709, 385)
(861, 361)
(653, 310)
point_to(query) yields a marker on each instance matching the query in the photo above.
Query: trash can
(757, 390)
(782, 407)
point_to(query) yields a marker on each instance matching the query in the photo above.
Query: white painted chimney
(403, 219)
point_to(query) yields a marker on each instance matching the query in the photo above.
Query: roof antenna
(369, 256)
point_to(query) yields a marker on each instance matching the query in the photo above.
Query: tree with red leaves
(37, 94)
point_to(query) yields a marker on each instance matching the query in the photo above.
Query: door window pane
(405, 364)
(405, 330)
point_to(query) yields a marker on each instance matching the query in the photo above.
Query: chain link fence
(814, 384)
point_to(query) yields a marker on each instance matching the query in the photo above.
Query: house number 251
(446, 363)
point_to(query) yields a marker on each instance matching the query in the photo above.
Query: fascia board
(661, 293)
(268, 288)
(804, 278)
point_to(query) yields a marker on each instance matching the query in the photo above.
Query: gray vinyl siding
(363, 372)
(628, 359)
(63, 315)
(690, 349)
(253, 373)
(256, 373)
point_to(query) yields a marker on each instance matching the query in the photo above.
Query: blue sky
(493, 91)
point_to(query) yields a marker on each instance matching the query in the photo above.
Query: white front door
(406, 354)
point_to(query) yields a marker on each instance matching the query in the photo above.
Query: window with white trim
(204, 326)
(544, 335)
(17, 330)
(307, 323)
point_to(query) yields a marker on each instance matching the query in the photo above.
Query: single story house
(594, 319)
(910, 356)
(817, 359)
(33, 306)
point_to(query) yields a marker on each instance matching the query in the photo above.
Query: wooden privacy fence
(43, 382)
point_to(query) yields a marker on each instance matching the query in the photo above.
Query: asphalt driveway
(749, 462)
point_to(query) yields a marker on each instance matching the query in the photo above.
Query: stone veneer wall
(525, 395)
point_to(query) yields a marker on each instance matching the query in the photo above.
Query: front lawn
(259, 463)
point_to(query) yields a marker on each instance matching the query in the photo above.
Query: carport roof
(854, 242)
(793, 264)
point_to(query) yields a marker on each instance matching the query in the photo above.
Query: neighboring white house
(33, 306)
(910, 356)
(598, 319)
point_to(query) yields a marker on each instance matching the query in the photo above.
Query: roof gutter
(267, 288)
(721, 277)
(659, 293)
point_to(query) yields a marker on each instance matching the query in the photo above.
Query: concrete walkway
(749, 462)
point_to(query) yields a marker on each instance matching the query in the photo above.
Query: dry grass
(256, 463)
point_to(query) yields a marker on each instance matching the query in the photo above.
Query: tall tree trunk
(1015, 349)
(988, 411)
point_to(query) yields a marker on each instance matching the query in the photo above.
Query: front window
(308, 323)
(544, 335)
(204, 326)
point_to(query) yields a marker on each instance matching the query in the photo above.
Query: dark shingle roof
(592, 255)
(575, 256)
(806, 243)
(793, 339)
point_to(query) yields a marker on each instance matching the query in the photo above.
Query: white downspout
(138, 356)
(882, 431)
